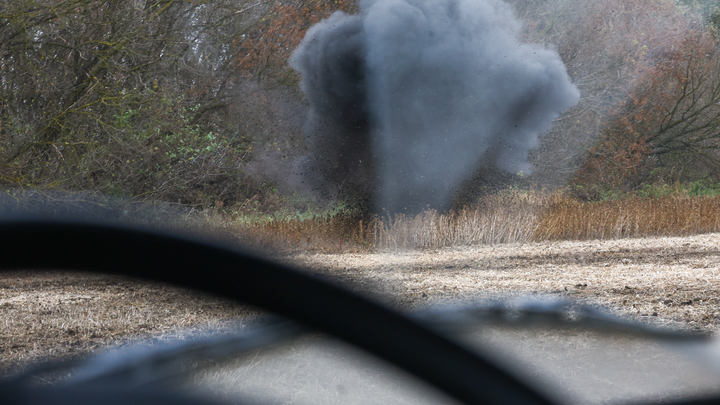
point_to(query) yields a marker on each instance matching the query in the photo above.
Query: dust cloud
(410, 98)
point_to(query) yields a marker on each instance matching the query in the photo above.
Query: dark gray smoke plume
(331, 59)
(410, 97)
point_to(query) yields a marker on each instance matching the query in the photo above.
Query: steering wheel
(41, 244)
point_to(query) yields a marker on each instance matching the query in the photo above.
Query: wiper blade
(142, 365)
(546, 312)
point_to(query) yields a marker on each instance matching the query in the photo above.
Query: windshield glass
(423, 154)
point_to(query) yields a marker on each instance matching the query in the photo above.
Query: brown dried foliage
(264, 51)
(511, 217)
(666, 129)
(604, 46)
(567, 218)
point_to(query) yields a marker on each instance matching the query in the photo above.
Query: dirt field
(673, 281)
(676, 281)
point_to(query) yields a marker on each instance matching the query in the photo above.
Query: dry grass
(330, 233)
(503, 218)
(566, 218)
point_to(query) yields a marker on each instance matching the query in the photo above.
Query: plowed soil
(666, 281)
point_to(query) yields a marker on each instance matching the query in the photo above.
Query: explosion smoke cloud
(409, 98)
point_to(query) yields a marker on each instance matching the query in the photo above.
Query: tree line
(177, 100)
(139, 97)
(649, 72)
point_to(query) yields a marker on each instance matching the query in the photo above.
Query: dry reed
(504, 218)
(566, 218)
(508, 217)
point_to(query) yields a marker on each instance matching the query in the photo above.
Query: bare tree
(669, 128)
(605, 46)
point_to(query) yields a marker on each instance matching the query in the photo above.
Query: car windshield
(537, 179)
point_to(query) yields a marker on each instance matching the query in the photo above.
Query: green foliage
(123, 120)
(702, 188)
(158, 153)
